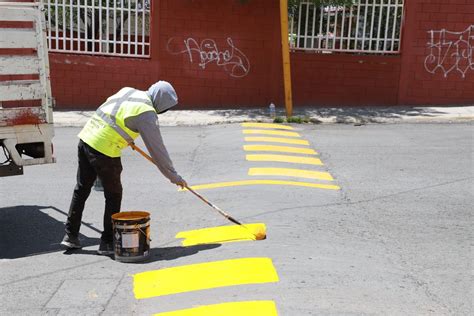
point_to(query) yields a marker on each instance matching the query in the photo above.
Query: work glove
(183, 184)
(180, 182)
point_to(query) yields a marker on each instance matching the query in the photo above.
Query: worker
(114, 126)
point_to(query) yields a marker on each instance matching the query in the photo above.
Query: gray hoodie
(164, 98)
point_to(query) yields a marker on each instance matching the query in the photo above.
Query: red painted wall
(84, 82)
(253, 78)
(253, 29)
(344, 80)
(445, 78)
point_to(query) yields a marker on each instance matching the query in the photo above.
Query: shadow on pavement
(156, 254)
(348, 115)
(26, 230)
(339, 114)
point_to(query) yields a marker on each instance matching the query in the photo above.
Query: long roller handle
(144, 154)
(230, 218)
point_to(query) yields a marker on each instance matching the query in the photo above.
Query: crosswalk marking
(264, 182)
(242, 271)
(270, 132)
(267, 125)
(277, 140)
(221, 234)
(285, 158)
(204, 276)
(289, 172)
(286, 149)
(247, 308)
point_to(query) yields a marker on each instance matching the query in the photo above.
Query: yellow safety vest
(106, 131)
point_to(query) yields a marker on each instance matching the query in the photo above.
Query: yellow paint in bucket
(223, 234)
(130, 216)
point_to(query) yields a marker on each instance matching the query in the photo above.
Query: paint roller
(260, 234)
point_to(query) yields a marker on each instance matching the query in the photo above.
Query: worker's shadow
(28, 230)
(156, 254)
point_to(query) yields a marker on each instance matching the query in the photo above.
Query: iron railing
(368, 26)
(99, 27)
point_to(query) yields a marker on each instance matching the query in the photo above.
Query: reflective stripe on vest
(108, 137)
(111, 120)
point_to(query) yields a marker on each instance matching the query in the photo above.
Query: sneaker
(105, 248)
(71, 242)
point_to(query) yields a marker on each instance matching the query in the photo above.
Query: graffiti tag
(450, 52)
(232, 59)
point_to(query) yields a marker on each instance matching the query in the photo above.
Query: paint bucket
(131, 236)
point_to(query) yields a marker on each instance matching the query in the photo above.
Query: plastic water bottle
(272, 110)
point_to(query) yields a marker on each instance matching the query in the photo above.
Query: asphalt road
(395, 239)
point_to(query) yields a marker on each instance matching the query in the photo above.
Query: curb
(356, 116)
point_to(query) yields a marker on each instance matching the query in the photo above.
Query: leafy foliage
(368, 25)
(293, 4)
(278, 119)
(90, 19)
(292, 119)
(323, 2)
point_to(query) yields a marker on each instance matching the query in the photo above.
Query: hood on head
(163, 96)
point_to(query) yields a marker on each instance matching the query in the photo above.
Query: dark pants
(93, 164)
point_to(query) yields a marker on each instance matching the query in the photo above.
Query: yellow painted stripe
(289, 172)
(263, 182)
(285, 149)
(248, 308)
(203, 276)
(285, 158)
(267, 125)
(277, 140)
(221, 234)
(267, 132)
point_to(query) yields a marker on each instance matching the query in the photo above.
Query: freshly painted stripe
(263, 182)
(222, 234)
(267, 125)
(203, 276)
(248, 308)
(289, 172)
(285, 158)
(269, 132)
(277, 140)
(285, 149)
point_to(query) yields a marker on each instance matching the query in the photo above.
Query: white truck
(26, 117)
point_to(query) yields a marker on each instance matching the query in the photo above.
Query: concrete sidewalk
(315, 115)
